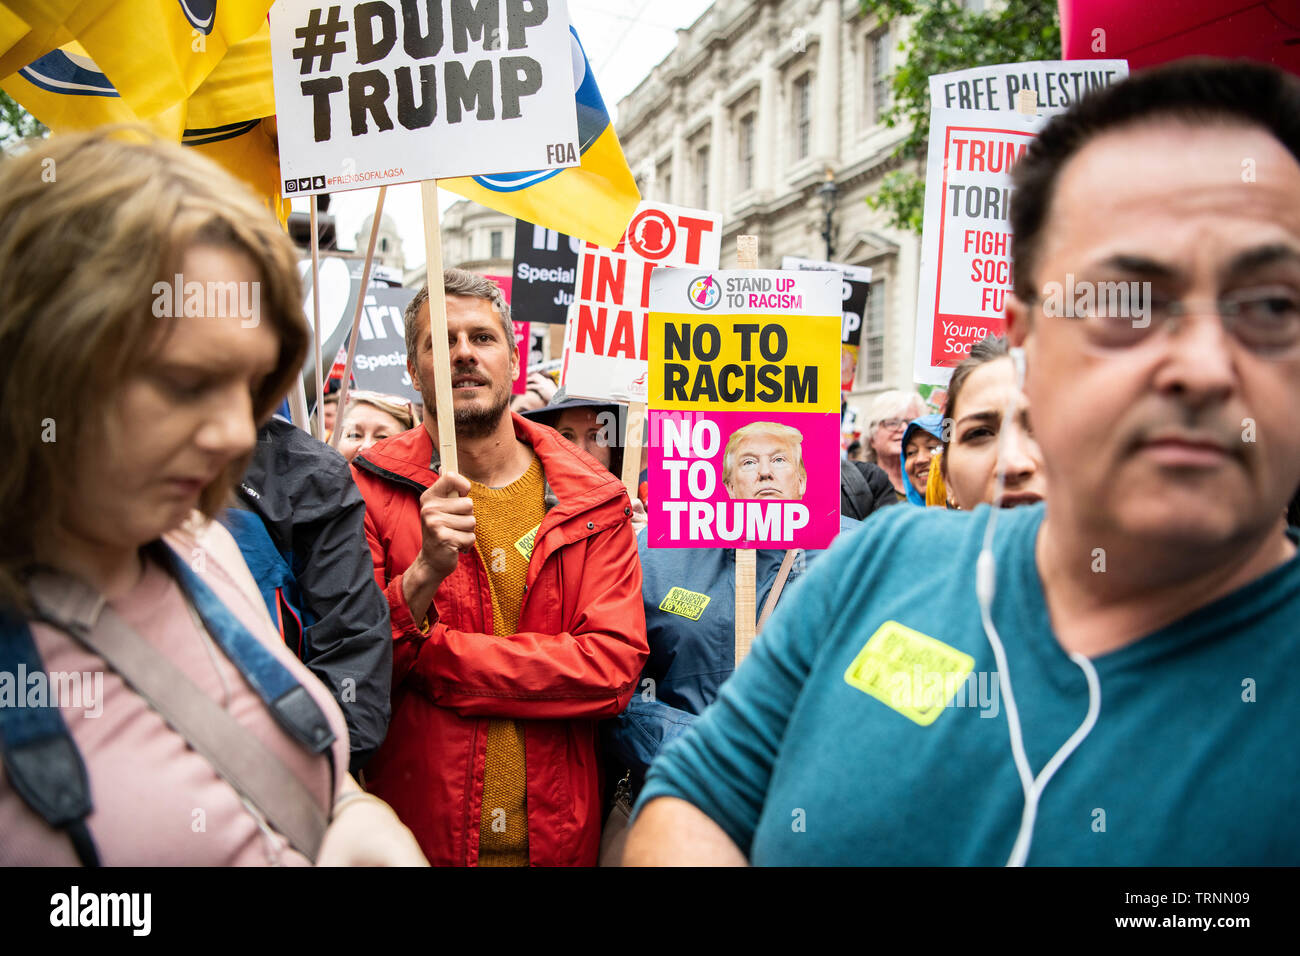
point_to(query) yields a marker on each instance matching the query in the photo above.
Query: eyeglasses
(1264, 320)
(891, 424)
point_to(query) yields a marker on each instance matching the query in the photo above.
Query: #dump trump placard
(744, 399)
(395, 91)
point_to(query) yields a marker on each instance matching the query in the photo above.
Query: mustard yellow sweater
(506, 520)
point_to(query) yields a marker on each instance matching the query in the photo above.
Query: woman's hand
(366, 832)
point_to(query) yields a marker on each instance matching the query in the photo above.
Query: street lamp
(830, 194)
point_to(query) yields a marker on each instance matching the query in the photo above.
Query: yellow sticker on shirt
(684, 603)
(525, 544)
(909, 672)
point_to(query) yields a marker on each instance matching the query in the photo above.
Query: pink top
(157, 801)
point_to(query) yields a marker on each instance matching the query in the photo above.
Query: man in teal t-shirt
(815, 752)
(1148, 611)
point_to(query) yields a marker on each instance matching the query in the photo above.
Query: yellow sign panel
(684, 603)
(909, 672)
(525, 544)
(747, 363)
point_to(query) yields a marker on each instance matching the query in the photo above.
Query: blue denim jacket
(692, 643)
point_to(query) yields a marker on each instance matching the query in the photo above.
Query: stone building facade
(763, 102)
(388, 244)
(477, 238)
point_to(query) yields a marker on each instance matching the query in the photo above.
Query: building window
(496, 244)
(879, 75)
(747, 151)
(802, 116)
(383, 247)
(664, 181)
(871, 353)
(702, 177)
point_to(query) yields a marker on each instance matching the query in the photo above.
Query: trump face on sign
(764, 460)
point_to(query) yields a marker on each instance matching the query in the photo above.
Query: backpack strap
(41, 759)
(774, 595)
(240, 758)
(271, 565)
(294, 709)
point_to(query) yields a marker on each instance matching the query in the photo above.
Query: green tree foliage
(16, 123)
(945, 37)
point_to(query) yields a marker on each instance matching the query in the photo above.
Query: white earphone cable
(985, 589)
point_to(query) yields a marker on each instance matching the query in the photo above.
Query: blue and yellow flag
(29, 33)
(246, 150)
(230, 118)
(239, 88)
(156, 53)
(12, 29)
(593, 201)
(66, 90)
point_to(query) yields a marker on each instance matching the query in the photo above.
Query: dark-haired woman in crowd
(981, 388)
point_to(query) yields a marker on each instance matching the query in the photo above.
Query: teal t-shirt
(1193, 761)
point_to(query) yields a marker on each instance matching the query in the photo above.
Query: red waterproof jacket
(576, 659)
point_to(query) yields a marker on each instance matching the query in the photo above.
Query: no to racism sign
(976, 137)
(855, 293)
(605, 342)
(744, 408)
(393, 91)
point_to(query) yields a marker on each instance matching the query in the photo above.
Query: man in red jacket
(515, 595)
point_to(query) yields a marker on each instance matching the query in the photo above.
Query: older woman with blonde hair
(371, 417)
(150, 317)
(886, 421)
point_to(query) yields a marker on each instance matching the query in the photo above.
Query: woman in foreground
(150, 318)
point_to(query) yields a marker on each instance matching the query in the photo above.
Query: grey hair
(887, 405)
(457, 282)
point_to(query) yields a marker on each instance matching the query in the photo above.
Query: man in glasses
(1143, 617)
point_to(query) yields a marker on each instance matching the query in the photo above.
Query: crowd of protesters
(362, 657)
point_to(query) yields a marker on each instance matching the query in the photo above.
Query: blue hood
(934, 425)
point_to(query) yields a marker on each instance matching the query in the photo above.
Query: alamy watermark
(924, 690)
(213, 300)
(67, 690)
(133, 911)
(1111, 300)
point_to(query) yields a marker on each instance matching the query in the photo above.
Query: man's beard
(473, 422)
(476, 422)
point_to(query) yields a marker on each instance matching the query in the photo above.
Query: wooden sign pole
(298, 406)
(438, 329)
(319, 429)
(356, 319)
(632, 448)
(746, 601)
